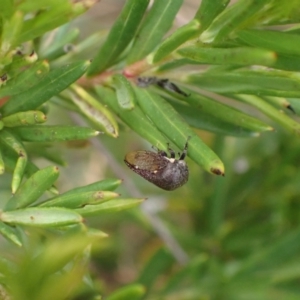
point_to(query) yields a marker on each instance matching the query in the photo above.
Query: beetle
(165, 172)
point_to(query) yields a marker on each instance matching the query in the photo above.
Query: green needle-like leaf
(108, 207)
(273, 113)
(10, 233)
(177, 38)
(124, 92)
(156, 24)
(41, 217)
(129, 292)
(208, 10)
(231, 56)
(120, 35)
(197, 118)
(103, 185)
(134, 118)
(2, 166)
(169, 122)
(72, 200)
(29, 117)
(52, 84)
(281, 42)
(33, 188)
(13, 143)
(231, 18)
(26, 79)
(272, 82)
(223, 112)
(94, 111)
(40, 133)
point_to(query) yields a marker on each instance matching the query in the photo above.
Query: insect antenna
(184, 152)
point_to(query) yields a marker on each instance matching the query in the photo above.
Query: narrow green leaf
(124, 92)
(40, 133)
(112, 206)
(18, 173)
(2, 166)
(199, 119)
(10, 158)
(20, 61)
(103, 185)
(180, 36)
(168, 121)
(35, 5)
(11, 141)
(128, 292)
(33, 188)
(270, 111)
(282, 42)
(26, 79)
(72, 200)
(29, 117)
(84, 48)
(269, 82)
(174, 64)
(95, 112)
(68, 248)
(156, 24)
(134, 118)
(236, 56)
(231, 18)
(54, 16)
(52, 84)
(287, 62)
(10, 233)
(11, 31)
(120, 35)
(41, 217)
(57, 37)
(280, 13)
(223, 112)
(279, 102)
(59, 48)
(98, 234)
(208, 10)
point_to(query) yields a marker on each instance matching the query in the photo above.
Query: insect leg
(172, 152)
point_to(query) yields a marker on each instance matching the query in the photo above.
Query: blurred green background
(233, 237)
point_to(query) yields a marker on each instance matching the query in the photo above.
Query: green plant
(207, 75)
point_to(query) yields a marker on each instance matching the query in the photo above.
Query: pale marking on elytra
(171, 160)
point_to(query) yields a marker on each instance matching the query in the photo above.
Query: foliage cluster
(230, 59)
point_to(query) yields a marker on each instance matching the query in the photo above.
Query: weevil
(165, 172)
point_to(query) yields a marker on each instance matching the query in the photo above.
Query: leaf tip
(289, 106)
(217, 171)
(97, 132)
